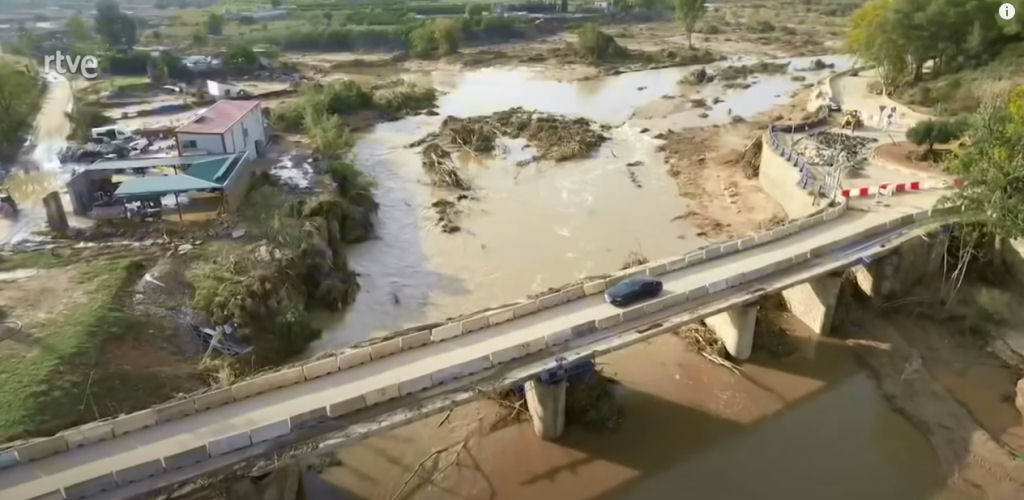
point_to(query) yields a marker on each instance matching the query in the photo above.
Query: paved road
(87, 462)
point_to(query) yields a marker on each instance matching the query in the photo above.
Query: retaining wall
(239, 440)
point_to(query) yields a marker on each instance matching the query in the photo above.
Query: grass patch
(45, 386)
(33, 260)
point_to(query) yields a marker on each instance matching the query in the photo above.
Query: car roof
(632, 282)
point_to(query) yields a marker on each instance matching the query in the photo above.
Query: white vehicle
(120, 136)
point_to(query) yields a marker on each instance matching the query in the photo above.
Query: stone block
(499, 317)
(654, 306)
(609, 321)
(8, 458)
(385, 348)
(583, 329)
(414, 385)
(461, 370)
(53, 495)
(346, 406)
(717, 286)
(414, 340)
(730, 247)
(381, 395)
(353, 358)
(446, 332)
(475, 323)
(695, 258)
(308, 418)
(712, 252)
(572, 293)
(657, 269)
(88, 433)
(518, 351)
(557, 338)
(186, 458)
(525, 309)
(697, 293)
(139, 472)
(748, 242)
(632, 313)
(266, 432)
(134, 421)
(90, 487)
(319, 368)
(549, 301)
(175, 410)
(227, 444)
(593, 287)
(214, 398)
(676, 263)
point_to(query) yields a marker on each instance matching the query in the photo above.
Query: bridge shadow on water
(811, 426)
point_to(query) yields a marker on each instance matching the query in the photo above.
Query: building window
(191, 144)
(245, 133)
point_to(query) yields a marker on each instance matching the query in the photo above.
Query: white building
(221, 90)
(226, 127)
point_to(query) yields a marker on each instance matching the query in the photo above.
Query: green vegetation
(690, 12)
(58, 380)
(84, 117)
(215, 24)
(932, 132)
(116, 28)
(596, 45)
(346, 97)
(20, 97)
(904, 37)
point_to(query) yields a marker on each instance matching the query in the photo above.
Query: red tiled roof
(218, 118)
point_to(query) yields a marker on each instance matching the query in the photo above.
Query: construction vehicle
(8, 208)
(851, 120)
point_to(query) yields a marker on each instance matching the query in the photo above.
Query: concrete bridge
(344, 396)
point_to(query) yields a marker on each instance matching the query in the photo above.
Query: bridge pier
(546, 402)
(736, 329)
(814, 302)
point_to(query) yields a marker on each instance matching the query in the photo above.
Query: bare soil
(905, 154)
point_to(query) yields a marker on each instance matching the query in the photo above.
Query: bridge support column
(814, 302)
(736, 329)
(546, 403)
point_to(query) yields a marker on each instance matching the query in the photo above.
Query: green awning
(152, 186)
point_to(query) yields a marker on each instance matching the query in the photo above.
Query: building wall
(253, 123)
(204, 142)
(237, 186)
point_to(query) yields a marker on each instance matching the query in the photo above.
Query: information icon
(1006, 11)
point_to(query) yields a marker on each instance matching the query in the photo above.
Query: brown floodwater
(809, 427)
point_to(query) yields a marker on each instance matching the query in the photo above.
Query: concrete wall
(782, 180)
(208, 143)
(237, 185)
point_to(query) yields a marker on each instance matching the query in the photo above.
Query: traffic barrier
(317, 369)
(138, 472)
(175, 410)
(518, 351)
(549, 301)
(227, 444)
(134, 421)
(214, 398)
(525, 309)
(308, 418)
(655, 305)
(414, 385)
(609, 321)
(385, 348)
(446, 332)
(475, 323)
(186, 458)
(90, 487)
(346, 406)
(730, 247)
(712, 252)
(717, 286)
(53, 495)
(414, 340)
(560, 337)
(499, 317)
(583, 329)
(87, 434)
(593, 287)
(676, 263)
(572, 293)
(8, 458)
(266, 432)
(632, 313)
(461, 370)
(355, 357)
(657, 270)
(748, 242)
(381, 395)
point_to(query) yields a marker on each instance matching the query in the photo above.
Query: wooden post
(177, 203)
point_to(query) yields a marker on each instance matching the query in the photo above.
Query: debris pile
(447, 210)
(732, 73)
(833, 148)
(441, 168)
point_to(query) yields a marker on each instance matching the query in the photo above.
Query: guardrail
(340, 360)
(301, 420)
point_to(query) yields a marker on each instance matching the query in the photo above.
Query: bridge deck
(38, 477)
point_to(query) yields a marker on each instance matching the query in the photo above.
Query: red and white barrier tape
(902, 187)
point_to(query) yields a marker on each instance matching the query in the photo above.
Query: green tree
(200, 38)
(116, 28)
(275, 3)
(475, 10)
(931, 132)
(596, 45)
(448, 34)
(873, 38)
(215, 24)
(20, 97)
(241, 58)
(78, 29)
(26, 43)
(991, 165)
(422, 42)
(690, 12)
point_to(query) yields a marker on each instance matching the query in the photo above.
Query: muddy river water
(813, 426)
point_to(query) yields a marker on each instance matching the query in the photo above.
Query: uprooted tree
(690, 12)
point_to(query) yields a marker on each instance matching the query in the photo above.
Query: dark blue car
(632, 290)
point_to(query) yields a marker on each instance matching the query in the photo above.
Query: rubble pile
(441, 168)
(833, 148)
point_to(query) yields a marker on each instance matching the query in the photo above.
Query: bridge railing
(304, 419)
